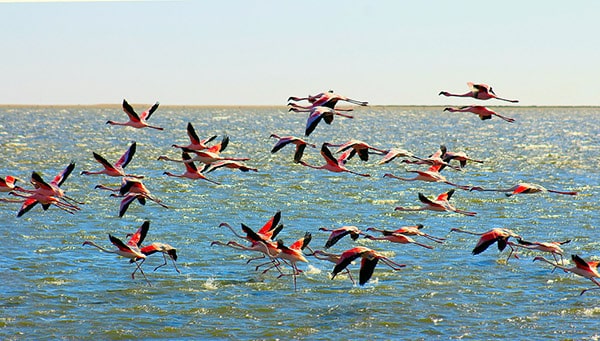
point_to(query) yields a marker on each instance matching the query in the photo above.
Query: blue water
(55, 288)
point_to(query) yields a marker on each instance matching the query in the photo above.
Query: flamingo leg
(595, 282)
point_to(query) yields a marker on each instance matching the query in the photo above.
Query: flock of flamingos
(202, 156)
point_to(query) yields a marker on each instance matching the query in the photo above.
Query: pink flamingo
(496, 235)
(320, 112)
(522, 188)
(129, 250)
(395, 238)
(432, 174)
(414, 230)
(8, 183)
(191, 171)
(369, 259)
(227, 164)
(357, 147)
(332, 164)
(137, 238)
(327, 99)
(331, 257)
(339, 233)
(293, 254)
(135, 120)
(582, 268)
(481, 111)
(195, 142)
(550, 247)
(298, 142)
(118, 169)
(441, 203)
(133, 189)
(461, 157)
(479, 91)
(394, 153)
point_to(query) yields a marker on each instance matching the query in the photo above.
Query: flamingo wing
(138, 237)
(335, 236)
(146, 114)
(367, 266)
(128, 109)
(127, 156)
(103, 161)
(299, 152)
(190, 166)
(346, 258)
(280, 144)
(312, 122)
(445, 196)
(28, 204)
(38, 182)
(251, 235)
(119, 244)
(270, 224)
(581, 263)
(328, 156)
(62, 176)
(191, 132)
(127, 200)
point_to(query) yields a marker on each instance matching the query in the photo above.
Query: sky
(257, 52)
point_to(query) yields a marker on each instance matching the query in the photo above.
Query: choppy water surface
(53, 287)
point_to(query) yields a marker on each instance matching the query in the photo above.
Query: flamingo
(479, 91)
(369, 259)
(339, 233)
(118, 169)
(522, 188)
(191, 171)
(195, 142)
(395, 238)
(551, 247)
(207, 156)
(47, 193)
(441, 203)
(461, 157)
(582, 268)
(357, 147)
(293, 254)
(285, 140)
(227, 164)
(434, 159)
(332, 164)
(320, 112)
(331, 257)
(414, 230)
(128, 250)
(432, 174)
(499, 235)
(393, 153)
(328, 99)
(133, 189)
(163, 248)
(481, 111)
(123, 250)
(135, 120)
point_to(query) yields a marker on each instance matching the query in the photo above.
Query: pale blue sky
(260, 52)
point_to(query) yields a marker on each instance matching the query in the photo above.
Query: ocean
(56, 288)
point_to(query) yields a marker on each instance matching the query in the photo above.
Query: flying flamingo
(521, 188)
(327, 99)
(435, 159)
(481, 111)
(195, 142)
(333, 164)
(191, 171)
(357, 147)
(129, 250)
(227, 164)
(293, 254)
(441, 203)
(207, 156)
(395, 238)
(496, 235)
(551, 247)
(339, 233)
(47, 193)
(317, 113)
(409, 231)
(393, 153)
(479, 91)
(131, 190)
(461, 157)
(135, 120)
(369, 259)
(163, 248)
(118, 169)
(432, 174)
(582, 268)
(331, 257)
(285, 140)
